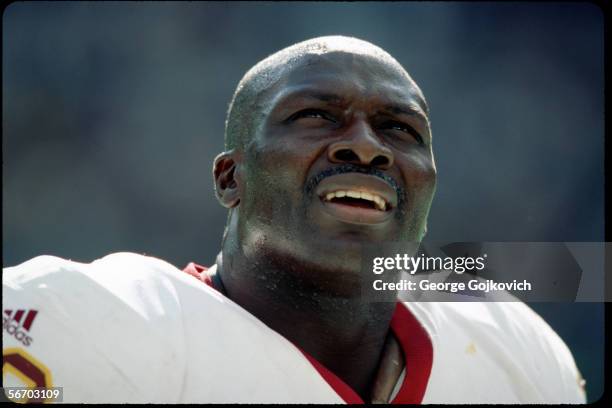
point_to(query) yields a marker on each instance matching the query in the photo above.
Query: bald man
(328, 150)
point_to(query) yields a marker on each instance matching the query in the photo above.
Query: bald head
(247, 107)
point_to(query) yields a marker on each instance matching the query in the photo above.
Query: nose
(361, 146)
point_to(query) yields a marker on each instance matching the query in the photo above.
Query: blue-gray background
(112, 114)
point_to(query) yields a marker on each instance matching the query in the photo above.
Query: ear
(226, 185)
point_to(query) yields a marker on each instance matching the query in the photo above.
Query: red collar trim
(412, 336)
(340, 387)
(197, 271)
(418, 354)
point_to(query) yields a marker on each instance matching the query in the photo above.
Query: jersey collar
(412, 336)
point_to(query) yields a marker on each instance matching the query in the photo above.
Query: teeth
(367, 196)
(380, 202)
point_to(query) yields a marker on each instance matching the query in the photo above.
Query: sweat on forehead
(243, 111)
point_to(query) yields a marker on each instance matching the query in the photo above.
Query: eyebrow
(394, 108)
(410, 110)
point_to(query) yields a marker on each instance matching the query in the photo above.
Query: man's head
(328, 148)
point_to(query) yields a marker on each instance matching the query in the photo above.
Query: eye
(311, 113)
(403, 127)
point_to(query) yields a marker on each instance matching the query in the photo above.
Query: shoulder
(119, 273)
(513, 338)
(121, 264)
(119, 288)
(97, 315)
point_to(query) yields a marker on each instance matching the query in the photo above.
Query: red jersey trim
(197, 271)
(340, 387)
(412, 336)
(418, 354)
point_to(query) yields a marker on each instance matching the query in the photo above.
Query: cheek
(284, 162)
(419, 174)
(273, 180)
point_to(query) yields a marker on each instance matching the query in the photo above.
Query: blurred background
(113, 113)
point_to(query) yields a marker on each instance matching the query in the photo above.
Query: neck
(344, 333)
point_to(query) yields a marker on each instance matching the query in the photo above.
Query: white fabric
(131, 328)
(496, 352)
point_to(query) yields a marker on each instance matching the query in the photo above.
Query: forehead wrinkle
(306, 92)
(403, 95)
(299, 68)
(321, 96)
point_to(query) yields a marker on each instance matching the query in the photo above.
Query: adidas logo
(18, 323)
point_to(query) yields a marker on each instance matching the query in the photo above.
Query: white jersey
(131, 328)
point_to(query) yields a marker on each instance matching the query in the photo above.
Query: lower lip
(355, 215)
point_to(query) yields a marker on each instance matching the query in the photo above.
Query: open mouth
(356, 198)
